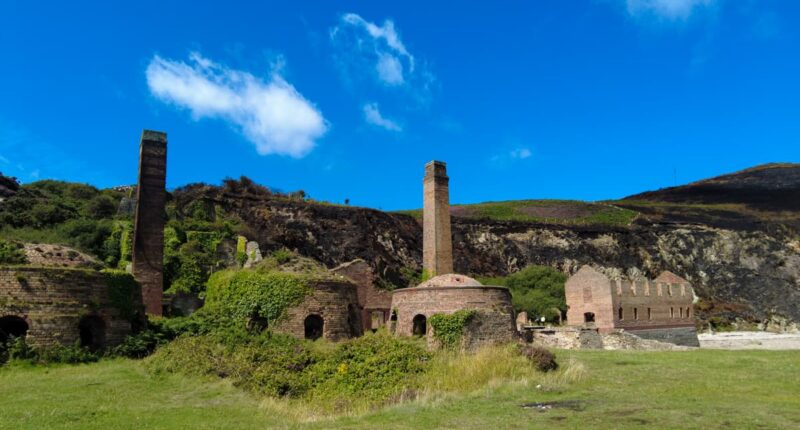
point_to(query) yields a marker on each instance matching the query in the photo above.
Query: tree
(538, 290)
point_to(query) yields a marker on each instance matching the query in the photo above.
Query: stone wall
(54, 301)
(496, 323)
(375, 303)
(148, 230)
(335, 302)
(686, 336)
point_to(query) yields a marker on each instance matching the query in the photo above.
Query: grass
(607, 389)
(559, 212)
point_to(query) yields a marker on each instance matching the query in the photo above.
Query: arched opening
(420, 325)
(354, 320)
(92, 331)
(588, 317)
(619, 314)
(393, 316)
(313, 325)
(257, 323)
(12, 326)
(636, 313)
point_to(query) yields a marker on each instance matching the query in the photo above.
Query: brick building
(659, 309)
(375, 303)
(447, 292)
(51, 306)
(330, 312)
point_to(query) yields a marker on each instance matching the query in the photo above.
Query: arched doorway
(588, 317)
(12, 326)
(420, 325)
(314, 325)
(92, 331)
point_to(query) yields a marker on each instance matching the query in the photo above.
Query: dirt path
(749, 340)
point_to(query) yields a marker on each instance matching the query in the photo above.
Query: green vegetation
(449, 328)
(597, 389)
(537, 290)
(122, 287)
(243, 294)
(12, 253)
(561, 212)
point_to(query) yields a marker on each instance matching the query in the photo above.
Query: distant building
(659, 309)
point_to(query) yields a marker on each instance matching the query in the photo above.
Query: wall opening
(257, 323)
(688, 313)
(393, 317)
(649, 314)
(313, 325)
(377, 319)
(672, 312)
(12, 326)
(619, 314)
(588, 317)
(420, 325)
(636, 313)
(354, 320)
(92, 330)
(681, 311)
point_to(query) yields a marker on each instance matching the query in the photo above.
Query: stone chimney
(437, 242)
(148, 226)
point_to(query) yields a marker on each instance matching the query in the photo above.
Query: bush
(18, 349)
(537, 290)
(543, 359)
(12, 253)
(139, 345)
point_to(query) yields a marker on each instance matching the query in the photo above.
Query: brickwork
(437, 248)
(335, 302)
(148, 233)
(655, 308)
(52, 301)
(495, 322)
(375, 303)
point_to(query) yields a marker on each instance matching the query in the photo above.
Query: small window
(619, 314)
(681, 311)
(688, 312)
(588, 317)
(636, 313)
(649, 314)
(669, 289)
(672, 312)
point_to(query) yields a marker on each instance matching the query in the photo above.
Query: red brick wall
(369, 298)
(53, 300)
(494, 304)
(335, 302)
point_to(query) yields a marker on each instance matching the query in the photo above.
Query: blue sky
(548, 99)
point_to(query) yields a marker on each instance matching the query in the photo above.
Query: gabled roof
(668, 277)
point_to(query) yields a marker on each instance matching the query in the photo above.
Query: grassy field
(559, 212)
(694, 389)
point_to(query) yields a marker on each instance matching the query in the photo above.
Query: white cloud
(377, 50)
(270, 113)
(520, 153)
(665, 9)
(4, 160)
(373, 116)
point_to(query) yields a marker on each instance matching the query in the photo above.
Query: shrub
(12, 253)
(543, 359)
(243, 294)
(18, 349)
(282, 255)
(537, 290)
(139, 345)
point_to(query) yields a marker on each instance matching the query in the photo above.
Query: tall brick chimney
(148, 226)
(437, 242)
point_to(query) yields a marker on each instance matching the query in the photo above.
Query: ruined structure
(437, 245)
(374, 303)
(56, 305)
(330, 311)
(493, 318)
(148, 231)
(660, 309)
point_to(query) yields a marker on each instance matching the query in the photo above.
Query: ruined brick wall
(496, 314)
(437, 239)
(148, 232)
(589, 291)
(336, 302)
(658, 310)
(370, 299)
(52, 301)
